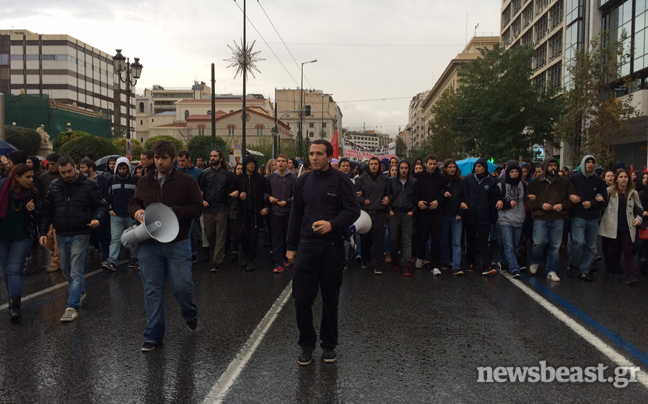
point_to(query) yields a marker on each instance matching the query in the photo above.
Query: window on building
(186, 114)
(201, 130)
(259, 130)
(555, 74)
(209, 112)
(311, 125)
(141, 122)
(141, 107)
(324, 125)
(230, 130)
(311, 134)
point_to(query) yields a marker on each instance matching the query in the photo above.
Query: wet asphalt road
(406, 340)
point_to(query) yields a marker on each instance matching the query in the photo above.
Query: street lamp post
(301, 108)
(133, 73)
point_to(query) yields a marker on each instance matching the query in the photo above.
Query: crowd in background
(423, 213)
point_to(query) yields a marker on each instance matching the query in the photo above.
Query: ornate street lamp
(132, 73)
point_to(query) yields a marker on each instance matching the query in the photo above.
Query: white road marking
(595, 341)
(236, 366)
(47, 290)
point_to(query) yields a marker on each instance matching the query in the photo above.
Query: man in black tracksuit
(249, 189)
(372, 188)
(324, 206)
(430, 189)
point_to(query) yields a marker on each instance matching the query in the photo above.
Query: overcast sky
(366, 49)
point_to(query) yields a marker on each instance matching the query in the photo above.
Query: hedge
(148, 145)
(120, 144)
(64, 137)
(201, 146)
(25, 139)
(80, 147)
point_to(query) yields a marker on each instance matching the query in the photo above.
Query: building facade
(449, 79)
(417, 124)
(69, 71)
(368, 138)
(325, 117)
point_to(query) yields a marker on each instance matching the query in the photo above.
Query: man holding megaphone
(160, 261)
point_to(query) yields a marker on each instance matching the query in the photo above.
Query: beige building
(149, 124)
(228, 127)
(449, 79)
(369, 138)
(325, 117)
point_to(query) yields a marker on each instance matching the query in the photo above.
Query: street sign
(238, 152)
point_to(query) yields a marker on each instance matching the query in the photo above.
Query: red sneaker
(278, 269)
(395, 268)
(406, 270)
(286, 263)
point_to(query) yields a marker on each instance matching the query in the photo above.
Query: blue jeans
(72, 252)
(159, 263)
(547, 232)
(583, 248)
(510, 240)
(451, 230)
(117, 226)
(13, 254)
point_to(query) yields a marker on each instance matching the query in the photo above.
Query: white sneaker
(69, 315)
(553, 277)
(436, 271)
(533, 268)
(419, 263)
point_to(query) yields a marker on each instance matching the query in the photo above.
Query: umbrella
(101, 163)
(5, 148)
(466, 166)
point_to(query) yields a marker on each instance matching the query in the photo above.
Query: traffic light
(307, 111)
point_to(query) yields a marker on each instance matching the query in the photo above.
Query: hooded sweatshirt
(587, 187)
(121, 189)
(552, 190)
(430, 188)
(374, 189)
(511, 189)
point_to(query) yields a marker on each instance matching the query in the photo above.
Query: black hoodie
(374, 189)
(254, 186)
(431, 187)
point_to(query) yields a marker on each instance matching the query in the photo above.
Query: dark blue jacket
(120, 191)
(478, 197)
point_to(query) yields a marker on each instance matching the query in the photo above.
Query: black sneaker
(457, 272)
(192, 324)
(148, 346)
(597, 258)
(631, 280)
(516, 274)
(329, 355)
(215, 268)
(377, 271)
(585, 277)
(489, 271)
(306, 357)
(250, 266)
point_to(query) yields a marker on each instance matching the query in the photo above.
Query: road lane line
(50, 289)
(588, 336)
(236, 366)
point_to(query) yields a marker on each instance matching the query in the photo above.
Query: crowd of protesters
(423, 213)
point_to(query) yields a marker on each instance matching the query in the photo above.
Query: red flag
(336, 147)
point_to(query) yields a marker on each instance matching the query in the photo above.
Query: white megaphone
(159, 223)
(361, 226)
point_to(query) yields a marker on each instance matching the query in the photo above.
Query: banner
(355, 152)
(336, 146)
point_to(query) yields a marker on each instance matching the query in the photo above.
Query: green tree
(120, 144)
(25, 139)
(499, 111)
(78, 148)
(594, 113)
(401, 146)
(65, 137)
(148, 145)
(201, 146)
(446, 127)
